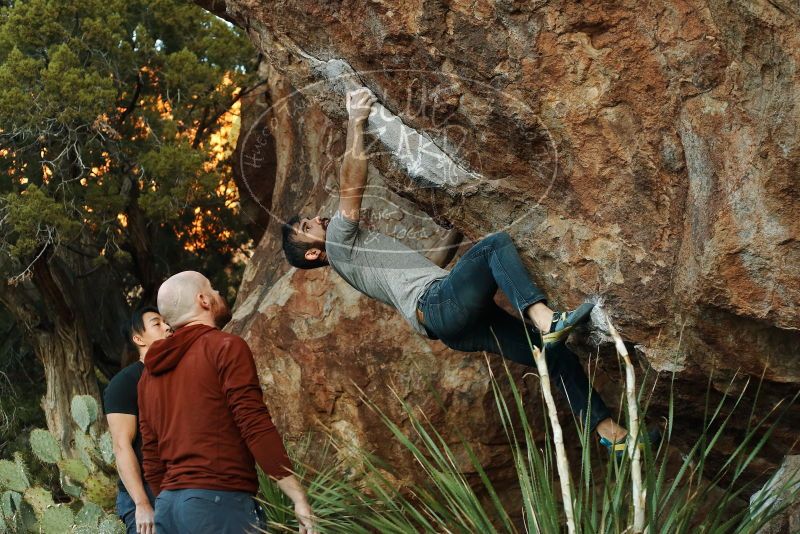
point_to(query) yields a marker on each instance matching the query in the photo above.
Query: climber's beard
(221, 310)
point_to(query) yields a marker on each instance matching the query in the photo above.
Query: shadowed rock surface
(645, 153)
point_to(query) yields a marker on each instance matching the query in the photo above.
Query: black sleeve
(120, 396)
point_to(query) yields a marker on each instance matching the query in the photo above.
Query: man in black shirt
(135, 501)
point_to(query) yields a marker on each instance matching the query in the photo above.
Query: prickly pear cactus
(73, 490)
(45, 446)
(17, 514)
(9, 502)
(74, 470)
(40, 500)
(84, 411)
(111, 525)
(90, 478)
(57, 519)
(14, 475)
(89, 515)
(100, 490)
(106, 446)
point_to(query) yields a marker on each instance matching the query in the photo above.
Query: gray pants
(200, 511)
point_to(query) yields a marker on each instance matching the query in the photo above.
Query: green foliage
(45, 446)
(84, 411)
(110, 169)
(17, 514)
(100, 489)
(73, 470)
(89, 515)
(682, 494)
(125, 96)
(40, 500)
(57, 519)
(106, 447)
(14, 475)
(111, 525)
(88, 482)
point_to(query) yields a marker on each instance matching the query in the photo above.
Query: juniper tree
(113, 170)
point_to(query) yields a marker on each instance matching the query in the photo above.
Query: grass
(681, 493)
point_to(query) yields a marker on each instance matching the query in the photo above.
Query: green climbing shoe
(617, 448)
(563, 322)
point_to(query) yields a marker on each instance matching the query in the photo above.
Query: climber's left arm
(353, 173)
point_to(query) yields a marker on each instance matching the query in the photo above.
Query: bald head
(179, 297)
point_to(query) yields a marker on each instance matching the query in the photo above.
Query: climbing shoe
(563, 322)
(618, 448)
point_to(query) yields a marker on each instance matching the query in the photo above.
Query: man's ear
(137, 339)
(312, 254)
(203, 301)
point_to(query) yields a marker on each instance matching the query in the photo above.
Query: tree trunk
(68, 371)
(44, 308)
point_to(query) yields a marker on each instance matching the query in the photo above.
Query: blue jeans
(201, 511)
(460, 310)
(126, 508)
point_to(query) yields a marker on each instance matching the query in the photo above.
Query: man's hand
(359, 103)
(305, 517)
(145, 519)
(292, 488)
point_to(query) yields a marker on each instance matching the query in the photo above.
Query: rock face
(645, 153)
(320, 346)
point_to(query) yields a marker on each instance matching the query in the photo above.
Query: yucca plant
(677, 493)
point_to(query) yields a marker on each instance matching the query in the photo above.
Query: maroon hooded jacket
(202, 415)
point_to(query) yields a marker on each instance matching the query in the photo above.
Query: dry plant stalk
(558, 439)
(634, 451)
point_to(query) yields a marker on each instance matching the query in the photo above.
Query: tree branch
(205, 122)
(132, 104)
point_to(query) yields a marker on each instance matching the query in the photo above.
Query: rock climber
(458, 306)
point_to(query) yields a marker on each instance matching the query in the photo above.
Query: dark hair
(135, 326)
(294, 250)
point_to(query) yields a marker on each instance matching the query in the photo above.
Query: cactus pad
(13, 476)
(40, 499)
(73, 469)
(27, 518)
(89, 515)
(84, 410)
(87, 452)
(45, 446)
(10, 503)
(57, 519)
(100, 490)
(106, 446)
(111, 525)
(69, 488)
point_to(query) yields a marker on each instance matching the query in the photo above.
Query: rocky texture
(644, 152)
(785, 481)
(320, 346)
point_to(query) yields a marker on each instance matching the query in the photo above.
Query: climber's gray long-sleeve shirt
(380, 266)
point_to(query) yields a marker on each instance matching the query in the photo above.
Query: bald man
(203, 421)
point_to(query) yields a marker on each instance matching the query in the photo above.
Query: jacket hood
(164, 355)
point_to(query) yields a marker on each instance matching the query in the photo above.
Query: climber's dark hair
(134, 326)
(294, 250)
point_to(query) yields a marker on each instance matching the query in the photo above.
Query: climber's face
(312, 230)
(154, 327)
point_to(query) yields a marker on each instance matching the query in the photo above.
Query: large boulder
(646, 153)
